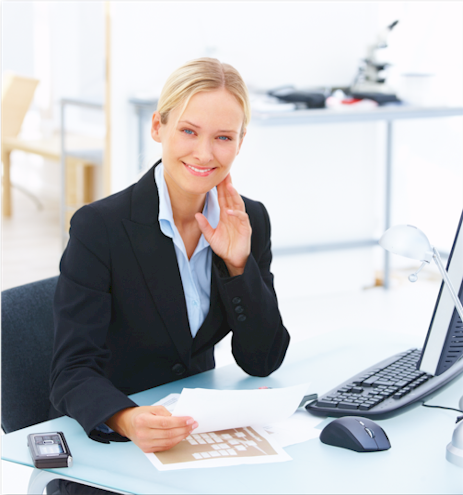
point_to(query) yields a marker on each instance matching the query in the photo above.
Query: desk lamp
(411, 242)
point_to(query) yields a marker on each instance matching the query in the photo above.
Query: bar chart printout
(248, 445)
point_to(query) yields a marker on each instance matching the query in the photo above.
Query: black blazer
(121, 323)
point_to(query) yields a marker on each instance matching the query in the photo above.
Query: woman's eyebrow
(190, 123)
(199, 127)
(232, 132)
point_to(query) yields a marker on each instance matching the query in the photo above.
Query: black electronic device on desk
(393, 385)
(49, 450)
(302, 98)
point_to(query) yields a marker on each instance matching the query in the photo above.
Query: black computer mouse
(355, 433)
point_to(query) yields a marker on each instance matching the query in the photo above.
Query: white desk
(415, 464)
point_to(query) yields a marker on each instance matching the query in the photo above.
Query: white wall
(271, 44)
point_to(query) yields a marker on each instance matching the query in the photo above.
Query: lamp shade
(408, 241)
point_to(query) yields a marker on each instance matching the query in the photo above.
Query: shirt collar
(211, 208)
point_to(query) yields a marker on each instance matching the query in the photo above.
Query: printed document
(235, 441)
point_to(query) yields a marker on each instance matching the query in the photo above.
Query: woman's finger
(235, 197)
(223, 194)
(162, 444)
(205, 227)
(240, 215)
(158, 417)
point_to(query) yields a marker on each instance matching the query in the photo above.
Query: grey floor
(31, 250)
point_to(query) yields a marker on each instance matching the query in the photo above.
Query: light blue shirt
(195, 272)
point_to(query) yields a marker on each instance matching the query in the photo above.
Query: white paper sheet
(298, 428)
(216, 410)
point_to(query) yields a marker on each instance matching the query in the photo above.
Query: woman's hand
(231, 239)
(152, 428)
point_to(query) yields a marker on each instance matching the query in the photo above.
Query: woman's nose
(203, 151)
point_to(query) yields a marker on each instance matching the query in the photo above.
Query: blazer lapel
(156, 255)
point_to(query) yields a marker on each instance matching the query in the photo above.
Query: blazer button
(241, 318)
(236, 300)
(239, 309)
(178, 369)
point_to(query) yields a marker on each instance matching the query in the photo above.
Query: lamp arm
(443, 272)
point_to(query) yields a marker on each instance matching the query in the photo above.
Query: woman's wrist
(119, 421)
(235, 270)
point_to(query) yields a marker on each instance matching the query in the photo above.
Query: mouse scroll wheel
(372, 435)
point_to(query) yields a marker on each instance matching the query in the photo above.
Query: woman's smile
(199, 171)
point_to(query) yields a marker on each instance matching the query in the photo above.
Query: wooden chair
(82, 154)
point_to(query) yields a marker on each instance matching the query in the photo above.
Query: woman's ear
(156, 127)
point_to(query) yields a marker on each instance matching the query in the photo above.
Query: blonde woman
(156, 275)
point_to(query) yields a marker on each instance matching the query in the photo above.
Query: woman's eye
(224, 138)
(188, 131)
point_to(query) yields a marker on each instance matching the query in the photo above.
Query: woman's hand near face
(231, 239)
(152, 428)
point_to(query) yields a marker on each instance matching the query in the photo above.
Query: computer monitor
(443, 346)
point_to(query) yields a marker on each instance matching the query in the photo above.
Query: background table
(415, 464)
(144, 107)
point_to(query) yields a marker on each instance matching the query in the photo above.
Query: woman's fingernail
(190, 421)
(195, 425)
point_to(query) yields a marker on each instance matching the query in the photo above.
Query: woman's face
(199, 146)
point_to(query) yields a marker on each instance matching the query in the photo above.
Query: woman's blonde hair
(202, 74)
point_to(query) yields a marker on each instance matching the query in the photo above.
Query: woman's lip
(199, 171)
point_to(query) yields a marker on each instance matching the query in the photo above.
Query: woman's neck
(184, 208)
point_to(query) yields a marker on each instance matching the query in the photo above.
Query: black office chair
(27, 346)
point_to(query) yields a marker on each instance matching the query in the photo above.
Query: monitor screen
(443, 346)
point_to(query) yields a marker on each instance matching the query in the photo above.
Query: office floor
(31, 250)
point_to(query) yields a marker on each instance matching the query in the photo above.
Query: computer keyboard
(384, 390)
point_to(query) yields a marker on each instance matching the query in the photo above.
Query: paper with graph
(236, 441)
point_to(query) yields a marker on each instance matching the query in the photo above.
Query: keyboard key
(348, 405)
(325, 403)
(369, 381)
(385, 383)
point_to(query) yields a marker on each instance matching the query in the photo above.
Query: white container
(417, 89)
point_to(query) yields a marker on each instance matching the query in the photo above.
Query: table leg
(88, 180)
(39, 480)
(388, 196)
(62, 210)
(140, 138)
(6, 182)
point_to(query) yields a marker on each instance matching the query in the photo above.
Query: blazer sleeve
(82, 313)
(260, 340)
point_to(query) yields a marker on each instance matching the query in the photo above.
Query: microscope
(371, 77)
